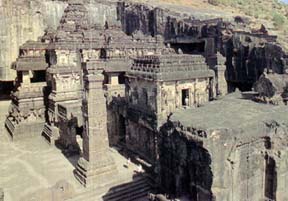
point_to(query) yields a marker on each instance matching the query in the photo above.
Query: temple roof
(170, 67)
(34, 45)
(30, 63)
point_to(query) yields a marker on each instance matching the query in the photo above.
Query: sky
(286, 1)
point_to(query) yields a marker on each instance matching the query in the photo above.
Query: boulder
(270, 85)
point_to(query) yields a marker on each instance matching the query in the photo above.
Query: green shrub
(278, 19)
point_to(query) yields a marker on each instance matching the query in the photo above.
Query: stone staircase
(136, 190)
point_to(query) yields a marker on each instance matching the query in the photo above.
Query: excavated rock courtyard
(31, 166)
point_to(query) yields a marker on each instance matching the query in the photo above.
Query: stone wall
(141, 140)
(248, 57)
(141, 120)
(198, 93)
(116, 113)
(143, 93)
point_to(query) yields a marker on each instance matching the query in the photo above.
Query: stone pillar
(95, 166)
(222, 88)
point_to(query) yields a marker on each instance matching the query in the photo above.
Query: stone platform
(23, 130)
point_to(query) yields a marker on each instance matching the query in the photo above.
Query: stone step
(138, 188)
(95, 194)
(137, 180)
(10, 126)
(132, 195)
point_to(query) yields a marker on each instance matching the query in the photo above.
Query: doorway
(185, 97)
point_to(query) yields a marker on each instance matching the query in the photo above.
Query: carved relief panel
(66, 83)
(66, 58)
(90, 54)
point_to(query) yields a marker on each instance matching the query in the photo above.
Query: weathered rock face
(248, 55)
(185, 165)
(137, 17)
(238, 157)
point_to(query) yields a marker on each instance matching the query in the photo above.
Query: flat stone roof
(233, 113)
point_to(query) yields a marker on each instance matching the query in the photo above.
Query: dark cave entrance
(270, 178)
(190, 48)
(242, 86)
(122, 129)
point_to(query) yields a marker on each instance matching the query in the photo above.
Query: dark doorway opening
(122, 129)
(39, 76)
(103, 54)
(190, 48)
(79, 131)
(232, 86)
(106, 78)
(185, 97)
(121, 78)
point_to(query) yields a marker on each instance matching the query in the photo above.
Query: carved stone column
(222, 88)
(96, 165)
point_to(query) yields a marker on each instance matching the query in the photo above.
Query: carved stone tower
(96, 165)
